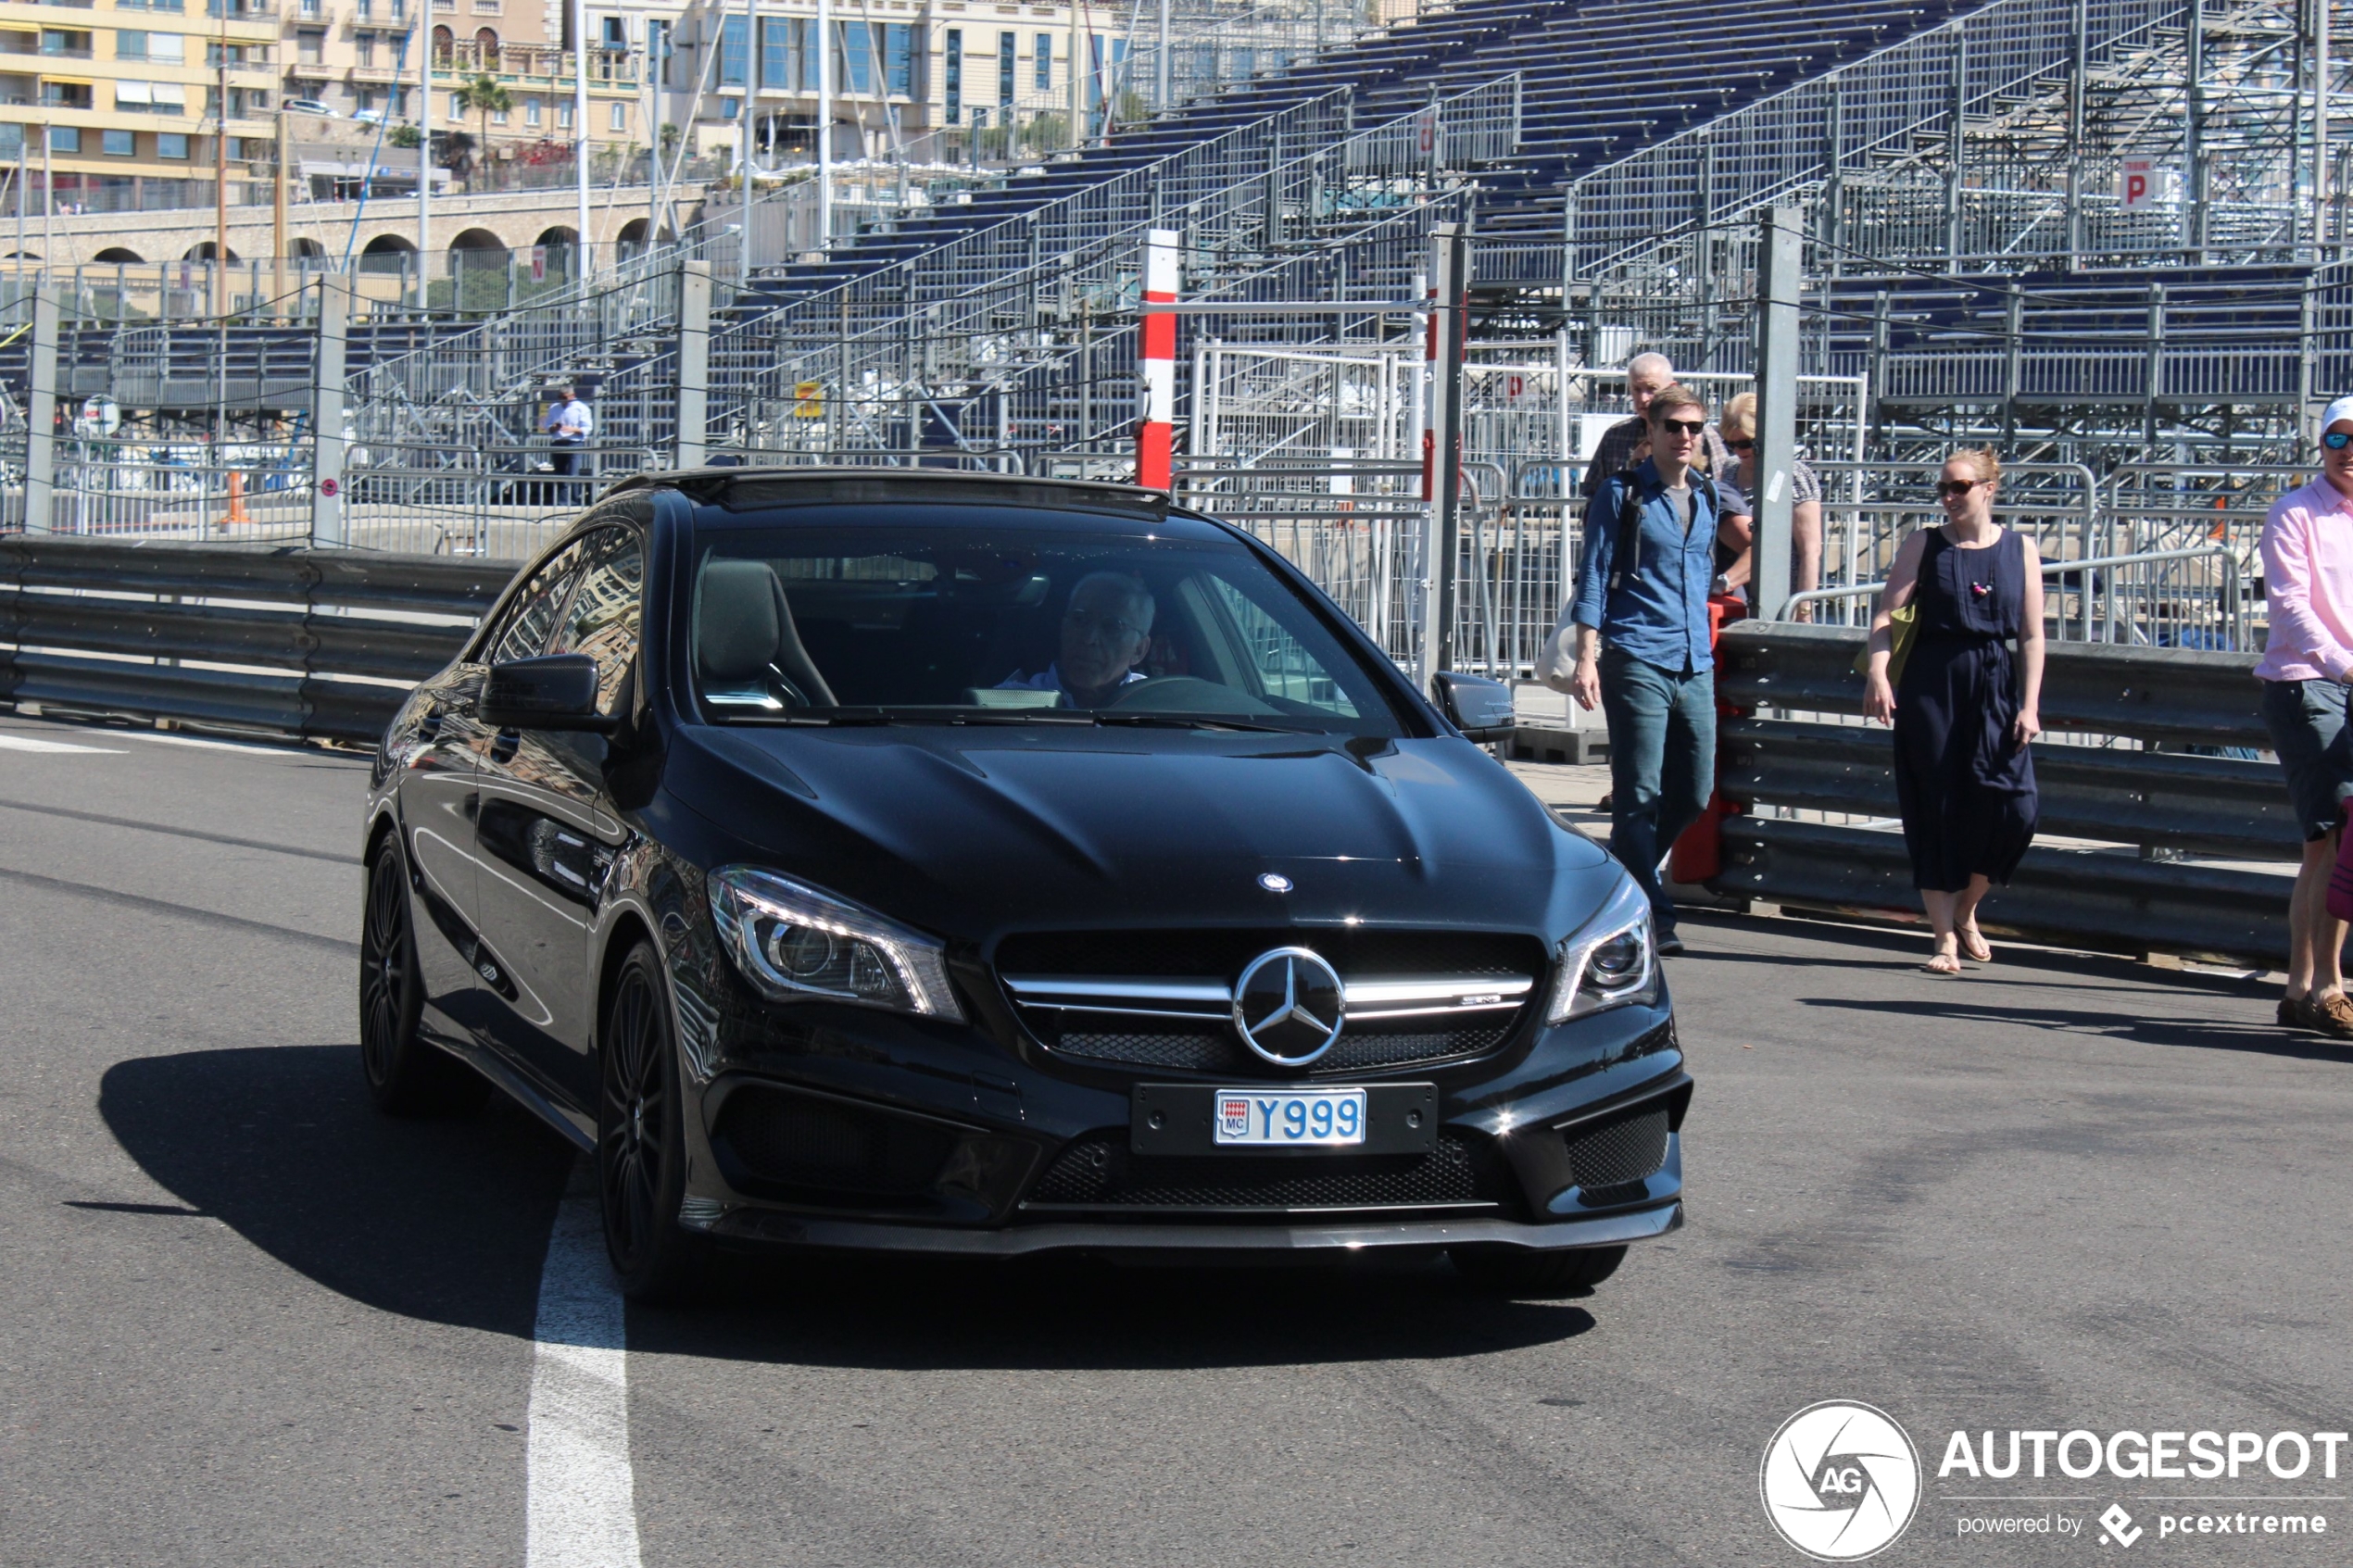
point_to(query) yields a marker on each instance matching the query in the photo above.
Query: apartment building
(357, 58)
(114, 104)
(925, 77)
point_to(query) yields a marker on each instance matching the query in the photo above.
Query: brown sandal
(1974, 947)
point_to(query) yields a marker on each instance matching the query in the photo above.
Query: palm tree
(484, 94)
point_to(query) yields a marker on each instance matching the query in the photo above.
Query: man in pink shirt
(2307, 667)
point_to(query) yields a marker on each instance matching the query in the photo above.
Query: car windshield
(1057, 618)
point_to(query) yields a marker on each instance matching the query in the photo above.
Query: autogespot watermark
(1841, 1481)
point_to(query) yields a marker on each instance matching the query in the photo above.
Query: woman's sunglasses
(1742, 446)
(2337, 440)
(1949, 488)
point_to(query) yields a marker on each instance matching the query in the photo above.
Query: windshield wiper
(1193, 722)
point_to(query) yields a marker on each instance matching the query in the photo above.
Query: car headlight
(792, 941)
(1610, 962)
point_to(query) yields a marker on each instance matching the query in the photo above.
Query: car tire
(641, 1154)
(408, 1075)
(1547, 1276)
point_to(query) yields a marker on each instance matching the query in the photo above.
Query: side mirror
(1481, 708)
(557, 692)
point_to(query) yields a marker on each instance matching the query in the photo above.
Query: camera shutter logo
(1839, 1481)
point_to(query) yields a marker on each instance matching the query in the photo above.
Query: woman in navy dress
(1966, 709)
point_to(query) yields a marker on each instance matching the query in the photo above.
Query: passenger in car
(1105, 633)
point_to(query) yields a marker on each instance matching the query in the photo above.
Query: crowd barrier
(321, 643)
(2148, 762)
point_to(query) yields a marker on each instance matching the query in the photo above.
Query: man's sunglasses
(1689, 427)
(2337, 440)
(1949, 488)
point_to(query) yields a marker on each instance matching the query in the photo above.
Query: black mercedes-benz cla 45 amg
(946, 863)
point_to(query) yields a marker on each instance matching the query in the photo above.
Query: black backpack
(1630, 520)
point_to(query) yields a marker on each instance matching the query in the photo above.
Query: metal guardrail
(318, 643)
(2157, 806)
(2102, 592)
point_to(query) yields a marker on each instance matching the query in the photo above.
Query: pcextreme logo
(1839, 1481)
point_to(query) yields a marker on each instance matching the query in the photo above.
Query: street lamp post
(278, 215)
(421, 33)
(220, 173)
(580, 129)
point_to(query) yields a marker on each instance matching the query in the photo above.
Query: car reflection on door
(546, 840)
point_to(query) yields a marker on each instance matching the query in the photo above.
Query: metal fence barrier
(321, 643)
(2169, 813)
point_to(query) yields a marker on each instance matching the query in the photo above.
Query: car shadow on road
(441, 1220)
(446, 1220)
(1080, 1315)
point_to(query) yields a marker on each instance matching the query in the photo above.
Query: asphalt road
(242, 1320)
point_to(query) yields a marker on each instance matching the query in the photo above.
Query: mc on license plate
(1282, 1118)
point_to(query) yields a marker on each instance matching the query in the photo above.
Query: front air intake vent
(1620, 1153)
(1102, 1173)
(776, 1142)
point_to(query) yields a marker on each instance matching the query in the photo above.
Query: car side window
(524, 633)
(1285, 670)
(604, 614)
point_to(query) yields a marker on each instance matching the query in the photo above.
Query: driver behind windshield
(1105, 633)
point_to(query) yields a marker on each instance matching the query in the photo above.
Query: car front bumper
(1329, 1239)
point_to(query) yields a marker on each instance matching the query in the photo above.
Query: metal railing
(1221, 46)
(1943, 146)
(165, 489)
(1333, 221)
(2119, 599)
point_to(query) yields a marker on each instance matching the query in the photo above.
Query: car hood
(971, 831)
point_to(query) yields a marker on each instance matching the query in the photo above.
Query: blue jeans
(1662, 763)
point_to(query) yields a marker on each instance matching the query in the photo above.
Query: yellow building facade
(112, 105)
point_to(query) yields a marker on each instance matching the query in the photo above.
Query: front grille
(774, 1139)
(1360, 1048)
(1620, 1153)
(1102, 1173)
(1350, 949)
(1159, 999)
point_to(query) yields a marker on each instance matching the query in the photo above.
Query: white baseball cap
(2340, 409)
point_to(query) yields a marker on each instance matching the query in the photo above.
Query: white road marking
(583, 1501)
(30, 743)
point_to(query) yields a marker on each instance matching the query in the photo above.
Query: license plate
(1288, 1118)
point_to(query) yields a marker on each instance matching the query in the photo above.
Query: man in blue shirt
(1642, 590)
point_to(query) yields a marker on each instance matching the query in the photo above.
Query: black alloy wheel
(1538, 1276)
(407, 1075)
(641, 1155)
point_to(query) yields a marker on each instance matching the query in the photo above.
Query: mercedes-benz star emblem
(1289, 1006)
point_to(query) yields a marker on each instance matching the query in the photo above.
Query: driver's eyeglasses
(1689, 427)
(1952, 487)
(2337, 440)
(1110, 628)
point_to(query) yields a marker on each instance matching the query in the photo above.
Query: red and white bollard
(1156, 364)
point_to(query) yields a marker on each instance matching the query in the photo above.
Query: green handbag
(1903, 627)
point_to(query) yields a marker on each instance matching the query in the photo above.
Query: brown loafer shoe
(2331, 1014)
(2291, 1013)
